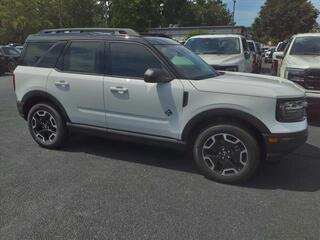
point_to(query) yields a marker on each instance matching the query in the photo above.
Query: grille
(312, 79)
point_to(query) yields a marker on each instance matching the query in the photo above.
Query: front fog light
(291, 110)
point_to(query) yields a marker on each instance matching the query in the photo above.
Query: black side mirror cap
(156, 75)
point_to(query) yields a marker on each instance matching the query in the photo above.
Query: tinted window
(10, 51)
(34, 52)
(188, 64)
(244, 45)
(131, 60)
(251, 46)
(82, 57)
(306, 46)
(223, 45)
(49, 60)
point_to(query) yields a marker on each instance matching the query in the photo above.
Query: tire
(226, 153)
(11, 67)
(46, 125)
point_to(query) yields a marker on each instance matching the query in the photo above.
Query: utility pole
(233, 14)
(60, 14)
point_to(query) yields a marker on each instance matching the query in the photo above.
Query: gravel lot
(101, 189)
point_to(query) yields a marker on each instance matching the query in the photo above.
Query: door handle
(63, 84)
(120, 90)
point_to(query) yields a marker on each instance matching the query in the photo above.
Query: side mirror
(156, 75)
(247, 55)
(279, 56)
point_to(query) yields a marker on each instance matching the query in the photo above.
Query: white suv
(226, 52)
(115, 83)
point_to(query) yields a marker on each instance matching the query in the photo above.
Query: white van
(223, 52)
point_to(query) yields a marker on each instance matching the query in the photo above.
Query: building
(180, 33)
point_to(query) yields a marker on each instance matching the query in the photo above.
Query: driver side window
(131, 60)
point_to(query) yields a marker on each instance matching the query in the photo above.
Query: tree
(211, 13)
(136, 14)
(278, 20)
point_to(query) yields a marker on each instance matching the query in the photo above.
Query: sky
(247, 10)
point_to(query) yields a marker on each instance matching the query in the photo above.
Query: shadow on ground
(297, 172)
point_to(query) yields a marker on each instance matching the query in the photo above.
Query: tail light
(14, 82)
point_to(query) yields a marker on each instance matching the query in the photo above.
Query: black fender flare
(43, 95)
(224, 113)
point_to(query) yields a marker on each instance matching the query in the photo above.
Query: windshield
(189, 65)
(306, 46)
(223, 45)
(10, 51)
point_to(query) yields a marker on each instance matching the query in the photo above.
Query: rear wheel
(226, 153)
(46, 125)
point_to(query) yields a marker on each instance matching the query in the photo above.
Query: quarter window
(131, 60)
(82, 57)
(34, 52)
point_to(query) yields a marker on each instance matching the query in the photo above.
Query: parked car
(276, 63)
(19, 48)
(269, 54)
(222, 52)
(301, 64)
(256, 59)
(153, 89)
(9, 58)
(264, 50)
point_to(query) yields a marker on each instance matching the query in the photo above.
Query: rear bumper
(278, 145)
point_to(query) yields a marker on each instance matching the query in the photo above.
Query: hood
(222, 59)
(250, 85)
(303, 61)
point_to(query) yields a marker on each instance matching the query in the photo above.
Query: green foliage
(279, 20)
(19, 18)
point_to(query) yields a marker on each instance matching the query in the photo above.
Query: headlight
(295, 75)
(291, 110)
(232, 69)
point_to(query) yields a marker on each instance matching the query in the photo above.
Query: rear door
(77, 82)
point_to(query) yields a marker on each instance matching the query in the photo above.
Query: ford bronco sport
(116, 83)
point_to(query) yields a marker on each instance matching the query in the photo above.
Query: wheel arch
(37, 96)
(222, 115)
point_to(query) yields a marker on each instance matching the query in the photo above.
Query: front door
(134, 105)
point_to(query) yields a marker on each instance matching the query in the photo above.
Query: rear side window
(83, 57)
(50, 58)
(34, 51)
(131, 60)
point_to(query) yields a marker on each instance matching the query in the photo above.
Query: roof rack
(111, 31)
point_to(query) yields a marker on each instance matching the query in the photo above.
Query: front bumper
(278, 145)
(20, 109)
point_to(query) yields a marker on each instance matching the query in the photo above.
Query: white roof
(217, 36)
(307, 35)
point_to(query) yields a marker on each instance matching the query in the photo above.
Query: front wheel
(226, 153)
(46, 125)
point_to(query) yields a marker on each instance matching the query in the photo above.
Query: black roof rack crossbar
(114, 31)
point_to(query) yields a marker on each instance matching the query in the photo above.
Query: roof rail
(114, 31)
